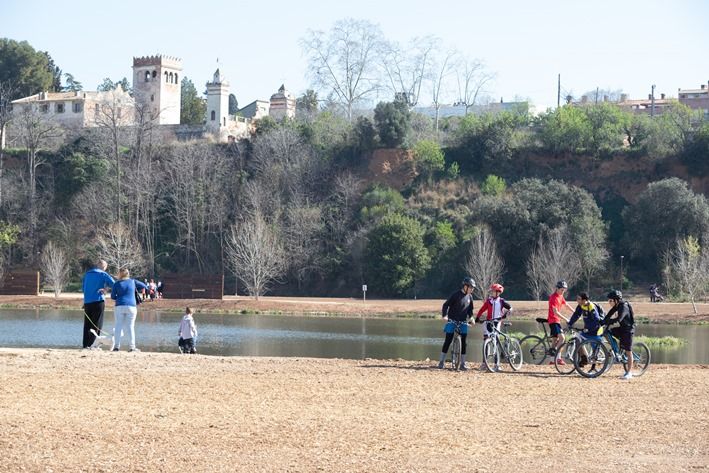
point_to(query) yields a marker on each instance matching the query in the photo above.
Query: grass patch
(667, 342)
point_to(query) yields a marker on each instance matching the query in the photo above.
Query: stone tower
(156, 85)
(282, 105)
(217, 102)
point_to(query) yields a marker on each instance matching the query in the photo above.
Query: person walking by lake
(187, 333)
(458, 308)
(95, 282)
(126, 310)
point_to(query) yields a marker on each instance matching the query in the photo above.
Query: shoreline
(646, 313)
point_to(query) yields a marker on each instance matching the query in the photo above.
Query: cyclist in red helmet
(496, 308)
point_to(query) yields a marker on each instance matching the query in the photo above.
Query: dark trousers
(449, 339)
(93, 319)
(187, 345)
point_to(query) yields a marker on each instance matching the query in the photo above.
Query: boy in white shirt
(187, 333)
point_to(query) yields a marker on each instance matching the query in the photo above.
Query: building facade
(696, 99)
(282, 105)
(157, 88)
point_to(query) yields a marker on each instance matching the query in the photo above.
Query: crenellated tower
(156, 87)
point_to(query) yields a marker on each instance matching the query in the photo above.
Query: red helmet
(497, 288)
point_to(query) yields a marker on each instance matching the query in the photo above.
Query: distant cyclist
(626, 326)
(458, 308)
(556, 302)
(592, 317)
(496, 308)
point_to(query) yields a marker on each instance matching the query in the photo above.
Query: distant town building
(223, 126)
(641, 106)
(255, 110)
(81, 109)
(282, 104)
(157, 88)
(696, 99)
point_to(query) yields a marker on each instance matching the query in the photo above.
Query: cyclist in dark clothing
(458, 308)
(626, 326)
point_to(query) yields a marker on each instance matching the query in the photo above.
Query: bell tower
(217, 102)
(156, 85)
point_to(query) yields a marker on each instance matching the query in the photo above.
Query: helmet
(497, 288)
(468, 281)
(615, 294)
(562, 285)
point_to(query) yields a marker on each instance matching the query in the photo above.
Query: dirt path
(68, 410)
(661, 313)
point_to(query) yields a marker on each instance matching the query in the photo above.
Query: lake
(298, 336)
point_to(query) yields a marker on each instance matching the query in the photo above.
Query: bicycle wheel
(455, 352)
(491, 355)
(514, 353)
(534, 349)
(566, 354)
(641, 359)
(597, 360)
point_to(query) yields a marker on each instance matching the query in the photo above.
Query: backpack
(601, 312)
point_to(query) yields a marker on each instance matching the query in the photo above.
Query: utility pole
(558, 92)
(596, 95)
(621, 272)
(652, 101)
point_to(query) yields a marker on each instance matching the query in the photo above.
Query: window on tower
(167, 79)
(155, 73)
(214, 115)
(171, 78)
(147, 76)
(176, 79)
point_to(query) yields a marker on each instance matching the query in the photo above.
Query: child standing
(187, 333)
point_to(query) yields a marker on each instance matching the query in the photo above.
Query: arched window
(214, 115)
(155, 73)
(171, 78)
(176, 78)
(167, 79)
(147, 76)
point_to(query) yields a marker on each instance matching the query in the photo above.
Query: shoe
(552, 351)
(583, 360)
(551, 362)
(441, 365)
(116, 349)
(482, 367)
(627, 375)
(134, 349)
(463, 368)
(561, 362)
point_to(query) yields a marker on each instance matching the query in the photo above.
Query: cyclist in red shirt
(556, 302)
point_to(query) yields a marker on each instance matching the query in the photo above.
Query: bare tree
(442, 70)
(120, 249)
(37, 132)
(343, 62)
(591, 249)
(303, 237)
(689, 269)
(472, 79)
(55, 267)
(408, 67)
(484, 263)
(553, 259)
(255, 253)
(7, 92)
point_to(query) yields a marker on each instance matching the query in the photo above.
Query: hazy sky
(618, 44)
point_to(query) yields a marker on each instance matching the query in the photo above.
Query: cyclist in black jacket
(626, 326)
(458, 308)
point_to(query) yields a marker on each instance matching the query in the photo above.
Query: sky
(618, 44)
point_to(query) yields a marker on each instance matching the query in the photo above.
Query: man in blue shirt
(95, 282)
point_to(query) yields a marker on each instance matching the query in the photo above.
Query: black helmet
(468, 281)
(615, 294)
(562, 285)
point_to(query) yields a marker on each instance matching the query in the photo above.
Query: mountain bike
(456, 345)
(602, 356)
(500, 345)
(567, 352)
(535, 349)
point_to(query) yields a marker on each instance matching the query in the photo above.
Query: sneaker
(463, 368)
(482, 367)
(116, 349)
(561, 362)
(441, 365)
(627, 375)
(551, 362)
(134, 349)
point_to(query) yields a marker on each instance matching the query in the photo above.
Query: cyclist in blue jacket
(592, 315)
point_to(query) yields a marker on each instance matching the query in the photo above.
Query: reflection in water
(335, 337)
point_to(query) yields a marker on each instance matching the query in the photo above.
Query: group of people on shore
(127, 293)
(458, 311)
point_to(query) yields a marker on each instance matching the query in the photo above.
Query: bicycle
(456, 345)
(535, 349)
(601, 359)
(567, 352)
(500, 344)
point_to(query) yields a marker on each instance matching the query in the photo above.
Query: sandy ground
(71, 410)
(661, 313)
